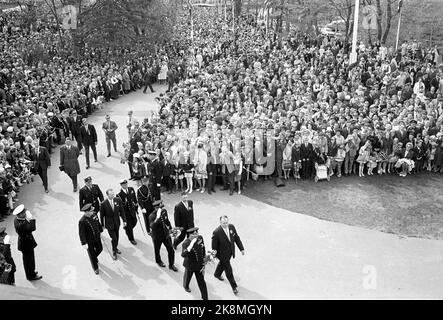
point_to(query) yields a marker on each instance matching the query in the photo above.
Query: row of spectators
(383, 112)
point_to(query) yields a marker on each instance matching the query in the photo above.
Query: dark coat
(69, 159)
(5, 249)
(88, 138)
(160, 228)
(89, 230)
(94, 196)
(75, 125)
(24, 229)
(306, 153)
(184, 218)
(129, 201)
(194, 259)
(226, 247)
(110, 219)
(43, 160)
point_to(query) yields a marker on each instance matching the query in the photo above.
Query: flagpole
(398, 30)
(353, 57)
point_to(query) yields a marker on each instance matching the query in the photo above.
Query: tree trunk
(388, 21)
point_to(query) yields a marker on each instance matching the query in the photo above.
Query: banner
(69, 17)
(369, 17)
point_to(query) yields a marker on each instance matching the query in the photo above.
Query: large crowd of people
(253, 104)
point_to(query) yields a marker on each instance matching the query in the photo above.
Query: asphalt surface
(288, 255)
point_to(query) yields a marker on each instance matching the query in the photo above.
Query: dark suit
(110, 219)
(194, 263)
(183, 218)
(225, 250)
(145, 202)
(307, 160)
(42, 162)
(89, 230)
(160, 235)
(91, 195)
(74, 127)
(26, 244)
(130, 206)
(89, 139)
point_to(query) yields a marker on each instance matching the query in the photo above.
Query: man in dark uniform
(127, 195)
(5, 250)
(224, 239)
(145, 202)
(156, 173)
(183, 217)
(194, 252)
(89, 230)
(111, 210)
(90, 193)
(161, 234)
(24, 226)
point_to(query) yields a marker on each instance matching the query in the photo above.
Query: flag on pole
(369, 20)
(400, 4)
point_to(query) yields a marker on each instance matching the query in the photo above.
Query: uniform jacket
(24, 229)
(92, 195)
(89, 230)
(69, 159)
(194, 259)
(145, 199)
(156, 171)
(306, 153)
(226, 247)
(160, 228)
(183, 217)
(110, 219)
(129, 201)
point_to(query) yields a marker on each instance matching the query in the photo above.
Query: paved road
(288, 255)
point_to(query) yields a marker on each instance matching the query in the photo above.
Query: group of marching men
(100, 213)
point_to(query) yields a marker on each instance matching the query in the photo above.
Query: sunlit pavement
(288, 255)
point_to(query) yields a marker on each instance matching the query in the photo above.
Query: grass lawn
(411, 206)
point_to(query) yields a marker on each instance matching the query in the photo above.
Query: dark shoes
(95, 160)
(96, 271)
(46, 190)
(173, 268)
(118, 251)
(161, 264)
(134, 242)
(219, 277)
(235, 291)
(87, 167)
(36, 278)
(75, 189)
(187, 290)
(108, 155)
(114, 256)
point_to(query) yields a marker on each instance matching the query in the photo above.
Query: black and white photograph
(221, 150)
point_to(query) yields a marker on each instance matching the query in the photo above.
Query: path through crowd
(288, 255)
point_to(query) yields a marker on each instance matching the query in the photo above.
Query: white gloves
(159, 212)
(143, 210)
(158, 184)
(191, 245)
(28, 215)
(7, 239)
